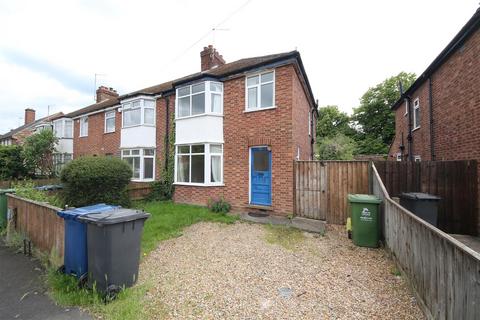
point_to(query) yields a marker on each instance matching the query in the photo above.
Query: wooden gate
(321, 188)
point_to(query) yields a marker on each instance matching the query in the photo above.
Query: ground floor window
(60, 160)
(199, 164)
(142, 162)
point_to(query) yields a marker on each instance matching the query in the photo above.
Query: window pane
(184, 91)
(110, 125)
(110, 114)
(215, 86)
(184, 107)
(267, 95)
(149, 152)
(183, 168)
(252, 98)
(251, 81)
(135, 104)
(417, 117)
(216, 169)
(267, 77)
(148, 168)
(126, 152)
(183, 149)
(216, 103)
(199, 148)
(132, 117)
(135, 152)
(260, 160)
(149, 103)
(198, 168)
(136, 167)
(127, 105)
(68, 129)
(198, 104)
(58, 129)
(148, 116)
(198, 87)
(215, 148)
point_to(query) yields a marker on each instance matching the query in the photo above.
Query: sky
(51, 50)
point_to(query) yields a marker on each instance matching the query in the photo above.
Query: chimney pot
(104, 93)
(210, 58)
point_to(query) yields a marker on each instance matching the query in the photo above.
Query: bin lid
(363, 198)
(3, 191)
(73, 214)
(114, 216)
(419, 196)
(50, 187)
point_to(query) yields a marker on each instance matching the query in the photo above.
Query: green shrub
(11, 163)
(161, 190)
(219, 206)
(26, 189)
(90, 180)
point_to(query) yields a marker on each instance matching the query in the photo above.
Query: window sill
(414, 129)
(142, 180)
(140, 125)
(200, 115)
(83, 136)
(259, 109)
(198, 184)
(109, 132)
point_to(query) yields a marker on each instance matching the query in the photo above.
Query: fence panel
(444, 273)
(456, 182)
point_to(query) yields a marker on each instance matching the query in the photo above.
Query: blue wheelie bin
(75, 247)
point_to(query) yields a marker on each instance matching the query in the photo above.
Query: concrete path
(22, 291)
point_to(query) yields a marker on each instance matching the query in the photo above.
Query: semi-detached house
(237, 128)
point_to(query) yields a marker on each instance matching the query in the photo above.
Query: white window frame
(128, 106)
(406, 107)
(82, 129)
(399, 157)
(309, 123)
(207, 164)
(127, 153)
(259, 90)
(110, 114)
(416, 105)
(208, 99)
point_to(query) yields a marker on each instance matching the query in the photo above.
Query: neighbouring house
(63, 131)
(438, 117)
(237, 129)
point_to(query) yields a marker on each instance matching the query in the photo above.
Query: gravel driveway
(217, 271)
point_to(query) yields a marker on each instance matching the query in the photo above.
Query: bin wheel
(82, 281)
(112, 292)
(61, 269)
(349, 234)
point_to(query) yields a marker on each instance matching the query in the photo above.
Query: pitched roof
(218, 72)
(468, 29)
(31, 125)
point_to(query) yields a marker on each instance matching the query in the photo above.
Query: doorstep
(309, 225)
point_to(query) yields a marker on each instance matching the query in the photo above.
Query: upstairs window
(83, 126)
(63, 128)
(416, 114)
(110, 121)
(200, 98)
(68, 128)
(138, 112)
(260, 91)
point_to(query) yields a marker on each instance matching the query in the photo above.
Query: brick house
(438, 117)
(237, 129)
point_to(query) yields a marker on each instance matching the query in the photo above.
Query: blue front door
(261, 176)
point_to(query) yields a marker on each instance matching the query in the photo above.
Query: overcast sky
(51, 50)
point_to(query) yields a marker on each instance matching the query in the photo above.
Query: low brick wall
(40, 223)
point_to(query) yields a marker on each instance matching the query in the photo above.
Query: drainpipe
(430, 109)
(408, 101)
(167, 131)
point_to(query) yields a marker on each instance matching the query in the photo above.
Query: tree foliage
(332, 121)
(374, 119)
(38, 150)
(338, 147)
(90, 180)
(11, 162)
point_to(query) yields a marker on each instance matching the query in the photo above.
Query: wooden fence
(139, 190)
(444, 273)
(321, 188)
(454, 181)
(39, 222)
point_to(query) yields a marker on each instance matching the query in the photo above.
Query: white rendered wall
(138, 137)
(205, 128)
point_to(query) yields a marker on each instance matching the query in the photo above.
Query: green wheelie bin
(365, 219)
(3, 206)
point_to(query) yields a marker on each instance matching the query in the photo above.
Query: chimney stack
(29, 116)
(210, 58)
(104, 93)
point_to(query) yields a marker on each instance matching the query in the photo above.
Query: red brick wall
(246, 129)
(97, 142)
(300, 111)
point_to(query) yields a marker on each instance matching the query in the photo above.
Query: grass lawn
(167, 220)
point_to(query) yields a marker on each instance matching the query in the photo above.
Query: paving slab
(23, 293)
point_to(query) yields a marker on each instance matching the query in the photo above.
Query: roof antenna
(214, 30)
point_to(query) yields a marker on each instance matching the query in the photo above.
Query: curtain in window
(216, 168)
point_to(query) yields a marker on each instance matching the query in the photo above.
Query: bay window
(260, 91)
(200, 98)
(199, 164)
(110, 121)
(142, 162)
(63, 128)
(138, 112)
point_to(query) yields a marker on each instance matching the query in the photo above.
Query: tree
(11, 162)
(38, 150)
(374, 119)
(332, 121)
(338, 147)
